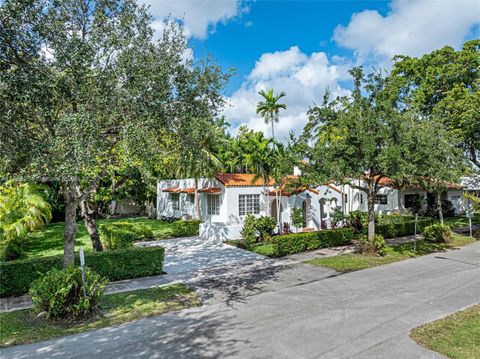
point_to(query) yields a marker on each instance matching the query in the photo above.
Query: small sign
(82, 257)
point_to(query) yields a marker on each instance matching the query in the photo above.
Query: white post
(415, 233)
(82, 268)
(469, 213)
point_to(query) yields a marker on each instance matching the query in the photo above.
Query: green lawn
(455, 336)
(23, 326)
(50, 241)
(352, 261)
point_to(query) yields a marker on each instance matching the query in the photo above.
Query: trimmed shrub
(17, 276)
(401, 228)
(306, 241)
(437, 233)
(122, 234)
(376, 246)
(59, 293)
(249, 230)
(185, 228)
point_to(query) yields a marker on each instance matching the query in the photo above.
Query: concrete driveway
(185, 255)
(294, 311)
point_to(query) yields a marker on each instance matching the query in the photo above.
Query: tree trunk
(71, 204)
(197, 201)
(371, 210)
(439, 208)
(91, 226)
(273, 131)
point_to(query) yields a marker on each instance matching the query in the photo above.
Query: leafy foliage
(300, 242)
(183, 228)
(17, 276)
(265, 226)
(375, 246)
(123, 234)
(23, 209)
(445, 83)
(401, 227)
(60, 293)
(297, 218)
(249, 230)
(437, 233)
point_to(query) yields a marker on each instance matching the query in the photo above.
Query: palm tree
(23, 209)
(270, 108)
(196, 154)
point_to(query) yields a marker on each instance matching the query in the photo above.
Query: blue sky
(270, 26)
(305, 47)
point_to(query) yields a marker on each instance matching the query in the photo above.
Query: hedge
(17, 276)
(122, 234)
(399, 229)
(307, 241)
(185, 228)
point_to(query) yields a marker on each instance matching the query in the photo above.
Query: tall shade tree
(79, 80)
(270, 108)
(197, 128)
(445, 84)
(435, 162)
(355, 138)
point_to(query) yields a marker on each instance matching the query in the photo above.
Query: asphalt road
(293, 311)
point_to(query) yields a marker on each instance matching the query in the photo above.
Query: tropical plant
(23, 209)
(270, 108)
(60, 293)
(374, 246)
(437, 233)
(265, 226)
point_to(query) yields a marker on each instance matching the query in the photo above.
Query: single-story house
(228, 198)
(393, 199)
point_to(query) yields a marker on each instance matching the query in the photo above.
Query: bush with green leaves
(183, 228)
(375, 246)
(249, 230)
(118, 235)
(437, 233)
(59, 293)
(297, 219)
(17, 276)
(265, 226)
(307, 241)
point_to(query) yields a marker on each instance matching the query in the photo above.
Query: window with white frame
(213, 204)
(175, 199)
(248, 204)
(381, 199)
(191, 198)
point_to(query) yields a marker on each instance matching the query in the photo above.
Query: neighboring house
(228, 198)
(391, 199)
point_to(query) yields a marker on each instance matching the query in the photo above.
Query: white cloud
(303, 78)
(200, 16)
(412, 27)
